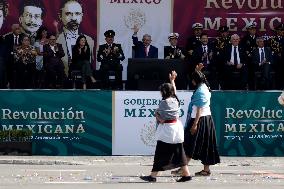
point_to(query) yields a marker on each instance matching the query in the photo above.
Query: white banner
(153, 17)
(134, 121)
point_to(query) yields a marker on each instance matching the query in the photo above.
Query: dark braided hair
(167, 90)
(200, 78)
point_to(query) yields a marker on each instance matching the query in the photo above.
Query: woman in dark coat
(81, 60)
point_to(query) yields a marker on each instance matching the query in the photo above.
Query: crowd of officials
(230, 63)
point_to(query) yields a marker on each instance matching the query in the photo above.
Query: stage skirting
(94, 122)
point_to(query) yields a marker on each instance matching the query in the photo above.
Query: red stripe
(170, 121)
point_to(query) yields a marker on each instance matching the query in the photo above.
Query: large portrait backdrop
(159, 17)
(88, 25)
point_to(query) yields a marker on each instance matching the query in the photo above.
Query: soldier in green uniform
(276, 44)
(219, 45)
(249, 44)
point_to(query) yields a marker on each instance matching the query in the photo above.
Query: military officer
(173, 51)
(219, 45)
(276, 44)
(249, 44)
(110, 55)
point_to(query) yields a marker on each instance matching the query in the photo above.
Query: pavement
(35, 172)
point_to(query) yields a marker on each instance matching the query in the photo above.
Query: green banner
(61, 122)
(249, 123)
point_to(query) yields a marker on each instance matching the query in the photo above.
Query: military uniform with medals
(276, 44)
(219, 45)
(249, 44)
(110, 56)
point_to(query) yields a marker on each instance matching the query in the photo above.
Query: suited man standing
(262, 60)
(143, 49)
(235, 66)
(110, 55)
(173, 51)
(12, 40)
(52, 54)
(204, 54)
(71, 16)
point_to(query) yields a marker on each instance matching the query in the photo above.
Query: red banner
(236, 14)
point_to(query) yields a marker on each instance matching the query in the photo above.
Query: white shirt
(16, 39)
(147, 50)
(206, 48)
(232, 55)
(172, 133)
(205, 111)
(71, 38)
(259, 50)
(205, 51)
(52, 48)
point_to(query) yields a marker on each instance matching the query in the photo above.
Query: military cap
(223, 29)
(280, 27)
(173, 36)
(197, 26)
(251, 25)
(109, 33)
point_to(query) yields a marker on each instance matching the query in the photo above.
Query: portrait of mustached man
(71, 16)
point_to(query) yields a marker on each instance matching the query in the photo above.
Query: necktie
(16, 40)
(146, 52)
(235, 56)
(261, 55)
(205, 60)
(204, 49)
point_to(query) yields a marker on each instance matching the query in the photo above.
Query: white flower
(281, 99)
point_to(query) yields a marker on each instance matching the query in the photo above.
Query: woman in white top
(169, 152)
(199, 135)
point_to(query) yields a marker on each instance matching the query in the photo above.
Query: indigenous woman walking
(200, 136)
(169, 152)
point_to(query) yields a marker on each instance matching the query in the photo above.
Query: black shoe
(148, 178)
(184, 179)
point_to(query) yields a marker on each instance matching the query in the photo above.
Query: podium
(149, 74)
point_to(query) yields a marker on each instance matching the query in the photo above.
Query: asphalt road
(124, 172)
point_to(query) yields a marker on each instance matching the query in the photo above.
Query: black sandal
(184, 179)
(203, 173)
(148, 178)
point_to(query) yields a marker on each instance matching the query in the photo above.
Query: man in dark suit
(110, 55)
(262, 60)
(12, 40)
(173, 51)
(143, 49)
(235, 68)
(249, 44)
(204, 54)
(52, 54)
